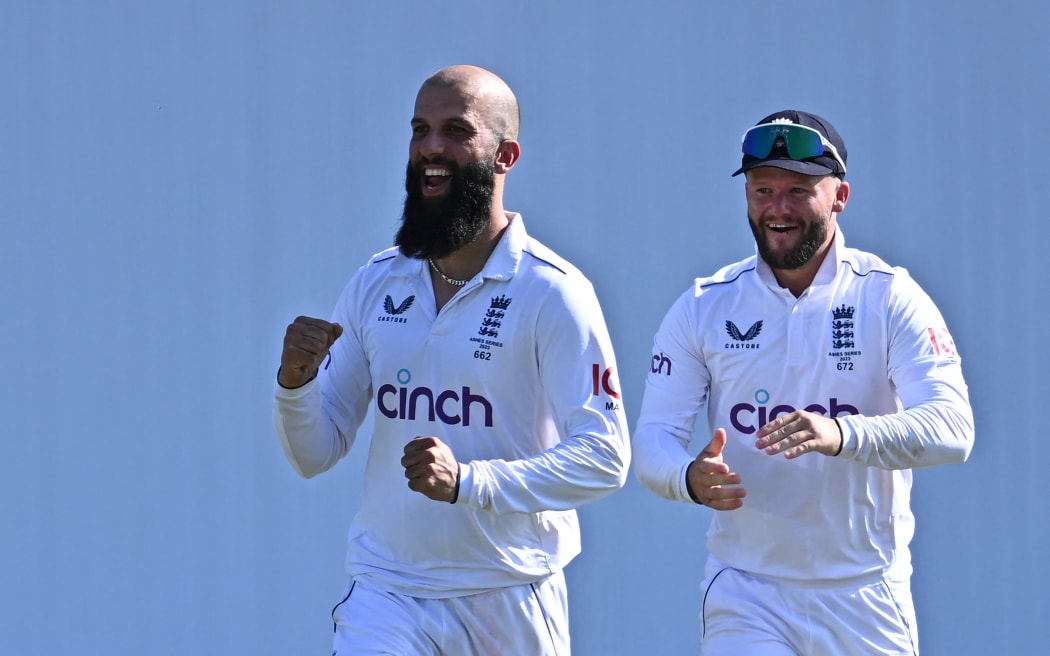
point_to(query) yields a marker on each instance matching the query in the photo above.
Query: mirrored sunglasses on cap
(799, 141)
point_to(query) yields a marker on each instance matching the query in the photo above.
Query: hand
(306, 344)
(798, 433)
(707, 474)
(431, 469)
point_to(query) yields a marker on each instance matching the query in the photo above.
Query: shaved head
(494, 99)
(464, 141)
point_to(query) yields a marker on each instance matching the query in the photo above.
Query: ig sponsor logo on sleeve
(602, 381)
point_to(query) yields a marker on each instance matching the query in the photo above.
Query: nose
(780, 204)
(431, 144)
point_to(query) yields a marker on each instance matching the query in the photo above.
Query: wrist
(284, 381)
(459, 476)
(689, 488)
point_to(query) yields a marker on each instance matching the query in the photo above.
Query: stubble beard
(437, 227)
(812, 239)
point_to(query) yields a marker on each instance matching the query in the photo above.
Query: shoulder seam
(863, 274)
(545, 261)
(727, 281)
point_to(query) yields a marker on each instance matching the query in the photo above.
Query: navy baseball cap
(796, 141)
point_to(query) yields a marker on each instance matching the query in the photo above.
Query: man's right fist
(306, 344)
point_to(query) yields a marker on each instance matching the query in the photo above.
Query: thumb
(717, 443)
(333, 331)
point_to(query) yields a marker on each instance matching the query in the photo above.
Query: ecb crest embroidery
(490, 325)
(843, 344)
(842, 327)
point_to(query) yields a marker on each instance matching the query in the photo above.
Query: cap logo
(783, 120)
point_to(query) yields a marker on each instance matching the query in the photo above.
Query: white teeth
(435, 172)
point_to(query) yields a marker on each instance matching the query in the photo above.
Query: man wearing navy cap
(827, 376)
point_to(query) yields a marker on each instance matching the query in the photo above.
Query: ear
(841, 197)
(507, 154)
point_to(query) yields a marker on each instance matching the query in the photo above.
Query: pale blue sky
(179, 179)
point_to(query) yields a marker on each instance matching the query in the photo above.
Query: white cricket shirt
(516, 374)
(863, 344)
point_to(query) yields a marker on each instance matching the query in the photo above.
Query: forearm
(577, 471)
(311, 441)
(923, 436)
(936, 426)
(661, 461)
(591, 450)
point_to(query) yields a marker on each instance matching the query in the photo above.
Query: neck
(465, 263)
(798, 280)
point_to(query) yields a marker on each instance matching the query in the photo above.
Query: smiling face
(450, 129)
(456, 164)
(793, 216)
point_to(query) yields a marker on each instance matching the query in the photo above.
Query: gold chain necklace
(451, 281)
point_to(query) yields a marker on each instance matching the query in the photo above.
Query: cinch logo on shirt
(748, 418)
(657, 366)
(404, 403)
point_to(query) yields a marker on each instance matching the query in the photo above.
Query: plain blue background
(179, 179)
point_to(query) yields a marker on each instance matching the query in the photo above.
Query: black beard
(812, 239)
(437, 227)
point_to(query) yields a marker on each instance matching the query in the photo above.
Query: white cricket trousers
(746, 614)
(530, 620)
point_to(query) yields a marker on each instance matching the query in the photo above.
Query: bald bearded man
(486, 359)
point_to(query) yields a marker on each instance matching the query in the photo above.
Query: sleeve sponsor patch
(942, 341)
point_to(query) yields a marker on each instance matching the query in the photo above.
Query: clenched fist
(306, 344)
(431, 469)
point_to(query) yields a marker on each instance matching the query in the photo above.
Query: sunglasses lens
(799, 142)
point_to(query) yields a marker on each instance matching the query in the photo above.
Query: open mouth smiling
(436, 178)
